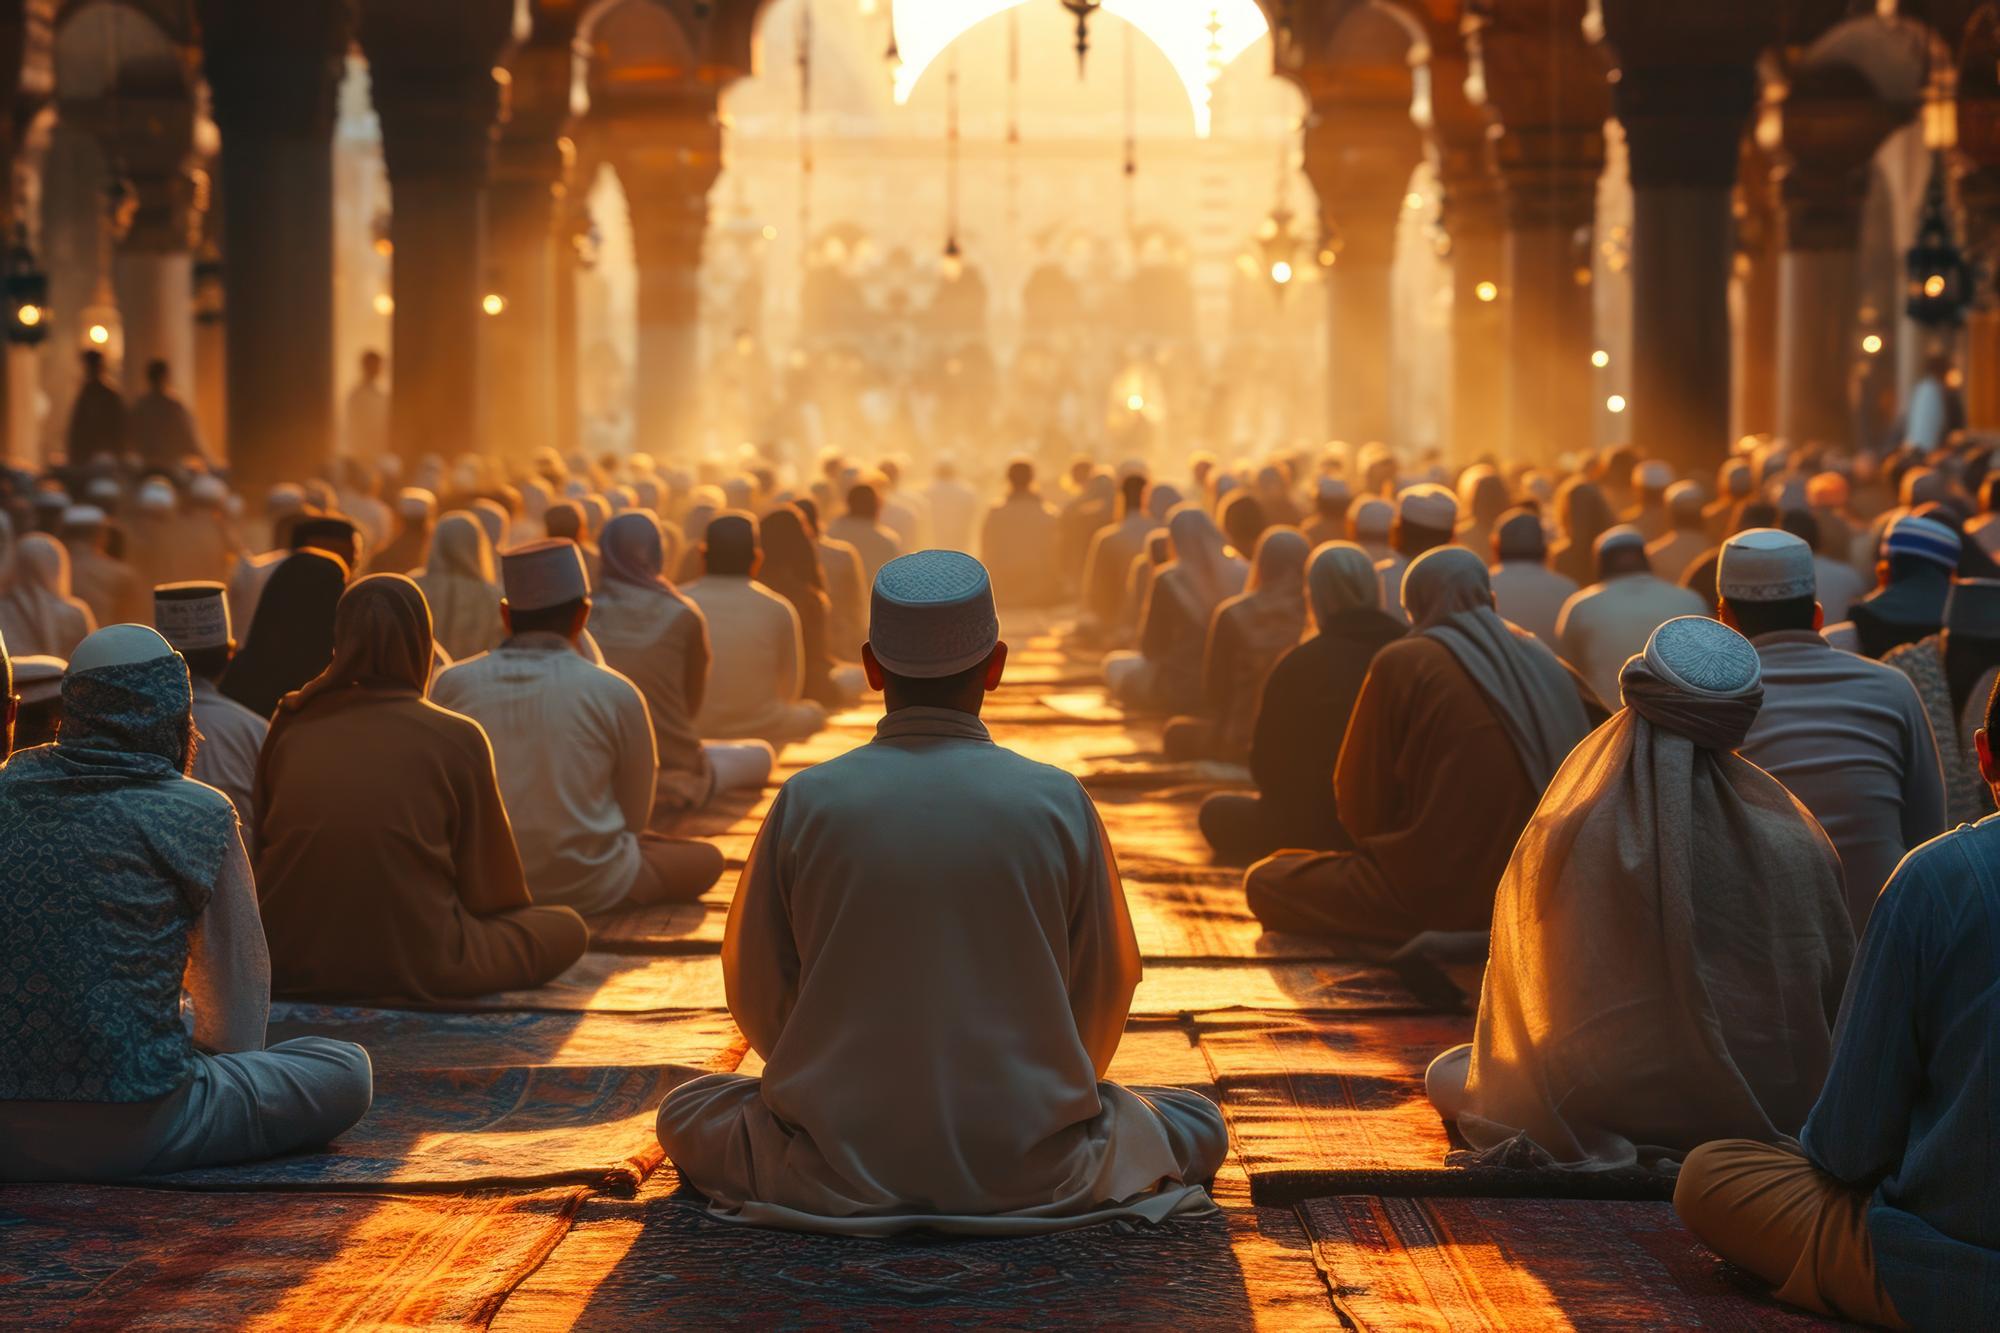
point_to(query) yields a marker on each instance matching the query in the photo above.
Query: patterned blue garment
(1911, 1105)
(108, 853)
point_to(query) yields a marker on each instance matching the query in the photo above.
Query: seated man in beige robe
(756, 685)
(931, 950)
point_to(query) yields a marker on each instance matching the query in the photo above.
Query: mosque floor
(508, 1173)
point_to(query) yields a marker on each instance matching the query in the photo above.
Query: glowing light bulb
(493, 303)
(1326, 257)
(1281, 273)
(385, 304)
(1600, 358)
(1615, 403)
(1135, 402)
(1934, 285)
(29, 316)
(1871, 343)
(770, 232)
(99, 334)
(1486, 291)
(1413, 200)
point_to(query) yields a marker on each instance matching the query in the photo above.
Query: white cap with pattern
(932, 615)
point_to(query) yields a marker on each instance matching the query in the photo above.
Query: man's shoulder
(212, 707)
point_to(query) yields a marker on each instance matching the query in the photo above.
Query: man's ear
(870, 667)
(1983, 744)
(996, 667)
(1819, 617)
(580, 619)
(756, 563)
(507, 615)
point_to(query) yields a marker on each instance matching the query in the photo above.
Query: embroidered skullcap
(83, 516)
(118, 645)
(1371, 519)
(155, 496)
(102, 490)
(1703, 656)
(208, 489)
(932, 615)
(1428, 505)
(1618, 538)
(415, 503)
(539, 575)
(1924, 538)
(1973, 608)
(38, 678)
(1766, 565)
(192, 616)
(1653, 475)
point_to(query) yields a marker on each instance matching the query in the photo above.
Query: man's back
(1912, 1100)
(875, 543)
(1849, 738)
(1017, 544)
(1608, 622)
(574, 749)
(754, 641)
(1531, 595)
(938, 903)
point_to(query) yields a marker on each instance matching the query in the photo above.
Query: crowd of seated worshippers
(1821, 1109)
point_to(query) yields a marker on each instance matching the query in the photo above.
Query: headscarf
(1161, 501)
(461, 586)
(132, 720)
(1341, 578)
(1208, 573)
(381, 641)
(1450, 597)
(494, 518)
(291, 639)
(1670, 940)
(790, 562)
(635, 554)
(1279, 570)
(40, 603)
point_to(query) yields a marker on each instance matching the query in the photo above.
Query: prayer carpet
(665, 1262)
(1185, 781)
(408, 1039)
(99, 1257)
(1083, 707)
(1171, 990)
(1198, 915)
(1324, 1109)
(617, 984)
(669, 928)
(1152, 831)
(465, 1129)
(1471, 1264)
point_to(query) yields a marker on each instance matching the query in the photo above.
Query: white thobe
(1531, 595)
(1608, 622)
(231, 738)
(573, 745)
(930, 948)
(755, 682)
(1849, 738)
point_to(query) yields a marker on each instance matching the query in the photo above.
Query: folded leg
(1328, 893)
(673, 870)
(740, 765)
(258, 1104)
(1195, 1129)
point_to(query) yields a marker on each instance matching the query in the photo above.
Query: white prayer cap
(119, 645)
(102, 490)
(83, 516)
(192, 616)
(1428, 505)
(1371, 519)
(543, 574)
(415, 503)
(1618, 538)
(285, 498)
(1132, 467)
(1653, 475)
(932, 615)
(208, 489)
(1736, 478)
(155, 496)
(38, 678)
(1766, 565)
(1704, 656)
(1685, 499)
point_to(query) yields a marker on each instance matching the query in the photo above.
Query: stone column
(1755, 364)
(1820, 173)
(667, 155)
(273, 72)
(1359, 160)
(152, 269)
(1543, 90)
(431, 74)
(1683, 125)
(1481, 297)
(572, 227)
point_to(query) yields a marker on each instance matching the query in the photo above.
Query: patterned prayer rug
(99, 1257)
(670, 928)
(478, 1128)
(409, 1039)
(616, 983)
(1339, 1108)
(665, 1263)
(1473, 1264)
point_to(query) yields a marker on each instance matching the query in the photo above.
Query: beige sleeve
(228, 978)
(1103, 950)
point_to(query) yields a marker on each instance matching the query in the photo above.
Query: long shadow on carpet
(1339, 1108)
(397, 1039)
(103, 1257)
(1483, 1264)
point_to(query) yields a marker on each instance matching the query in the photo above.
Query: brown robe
(1434, 793)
